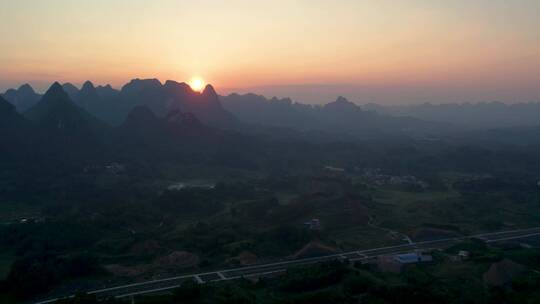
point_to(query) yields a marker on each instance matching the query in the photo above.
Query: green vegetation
(70, 221)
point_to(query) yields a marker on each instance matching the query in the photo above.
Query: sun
(196, 84)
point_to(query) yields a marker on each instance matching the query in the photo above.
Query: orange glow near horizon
(197, 84)
(429, 51)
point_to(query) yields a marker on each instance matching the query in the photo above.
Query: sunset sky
(395, 51)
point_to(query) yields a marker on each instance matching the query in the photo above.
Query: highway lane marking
(361, 254)
(218, 280)
(513, 238)
(147, 291)
(198, 278)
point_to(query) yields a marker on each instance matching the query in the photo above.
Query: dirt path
(390, 231)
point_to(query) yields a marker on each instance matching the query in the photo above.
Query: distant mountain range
(59, 127)
(478, 115)
(229, 112)
(113, 106)
(147, 121)
(340, 116)
(22, 98)
(250, 112)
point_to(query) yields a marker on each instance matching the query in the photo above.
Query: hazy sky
(395, 51)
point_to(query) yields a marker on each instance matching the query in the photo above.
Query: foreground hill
(182, 138)
(57, 111)
(63, 129)
(144, 131)
(9, 117)
(15, 131)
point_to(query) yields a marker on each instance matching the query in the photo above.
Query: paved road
(280, 267)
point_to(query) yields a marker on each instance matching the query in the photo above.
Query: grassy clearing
(403, 211)
(356, 238)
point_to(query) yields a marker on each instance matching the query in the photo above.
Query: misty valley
(157, 193)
